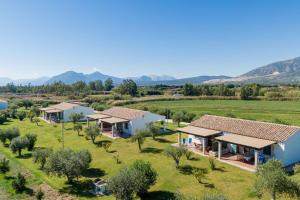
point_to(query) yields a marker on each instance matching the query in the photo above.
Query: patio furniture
(248, 157)
(213, 153)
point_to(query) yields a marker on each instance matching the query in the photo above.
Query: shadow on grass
(101, 142)
(25, 156)
(79, 188)
(193, 158)
(159, 195)
(162, 140)
(220, 169)
(186, 169)
(94, 173)
(151, 150)
(209, 185)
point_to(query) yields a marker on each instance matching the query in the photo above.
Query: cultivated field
(288, 111)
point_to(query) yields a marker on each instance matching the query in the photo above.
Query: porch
(52, 115)
(244, 152)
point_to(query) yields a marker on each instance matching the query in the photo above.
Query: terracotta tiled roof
(64, 106)
(262, 130)
(124, 113)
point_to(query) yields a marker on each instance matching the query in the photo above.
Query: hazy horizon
(132, 38)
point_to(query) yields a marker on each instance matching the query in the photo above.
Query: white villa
(62, 112)
(243, 143)
(123, 122)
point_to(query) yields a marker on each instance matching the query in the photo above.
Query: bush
(98, 106)
(188, 154)
(21, 115)
(19, 183)
(199, 174)
(4, 165)
(31, 140)
(212, 163)
(39, 194)
(296, 168)
(3, 118)
(175, 153)
(3, 136)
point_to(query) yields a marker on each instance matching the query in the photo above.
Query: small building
(123, 122)
(243, 143)
(3, 105)
(62, 112)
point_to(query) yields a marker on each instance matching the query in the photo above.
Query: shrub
(3, 136)
(4, 165)
(212, 163)
(296, 168)
(21, 115)
(199, 174)
(188, 154)
(92, 132)
(19, 183)
(31, 140)
(39, 194)
(3, 118)
(116, 157)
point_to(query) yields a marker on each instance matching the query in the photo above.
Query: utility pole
(62, 135)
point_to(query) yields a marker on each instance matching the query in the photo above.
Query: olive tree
(272, 178)
(12, 133)
(75, 117)
(175, 153)
(19, 183)
(92, 132)
(68, 163)
(139, 137)
(41, 156)
(21, 115)
(77, 127)
(18, 144)
(153, 130)
(31, 140)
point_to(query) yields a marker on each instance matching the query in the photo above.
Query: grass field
(288, 111)
(233, 182)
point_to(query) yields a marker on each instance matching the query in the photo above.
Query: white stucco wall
(288, 151)
(78, 109)
(140, 122)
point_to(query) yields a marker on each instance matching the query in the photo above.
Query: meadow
(261, 110)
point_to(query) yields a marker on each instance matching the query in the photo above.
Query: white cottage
(62, 111)
(121, 121)
(243, 143)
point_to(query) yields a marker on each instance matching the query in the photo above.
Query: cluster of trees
(60, 88)
(208, 90)
(16, 142)
(132, 181)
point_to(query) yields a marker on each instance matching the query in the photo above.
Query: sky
(181, 38)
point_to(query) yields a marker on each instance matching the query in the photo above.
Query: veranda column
(255, 158)
(203, 145)
(101, 124)
(219, 150)
(179, 138)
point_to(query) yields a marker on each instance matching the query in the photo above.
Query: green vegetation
(287, 111)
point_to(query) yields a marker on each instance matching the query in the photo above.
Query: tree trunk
(140, 147)
(177, 163)
(273, 195)
(20, 150)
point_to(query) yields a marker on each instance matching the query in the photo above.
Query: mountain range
(282, 72)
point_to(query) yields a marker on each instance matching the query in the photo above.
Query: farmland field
(288, 111)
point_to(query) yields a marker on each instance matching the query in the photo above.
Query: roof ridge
(241, 119)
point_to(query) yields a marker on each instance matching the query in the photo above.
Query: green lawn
(288, 111)
(233, 182)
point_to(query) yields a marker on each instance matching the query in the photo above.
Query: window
(126, 125)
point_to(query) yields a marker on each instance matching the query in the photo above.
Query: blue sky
(134, 37)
